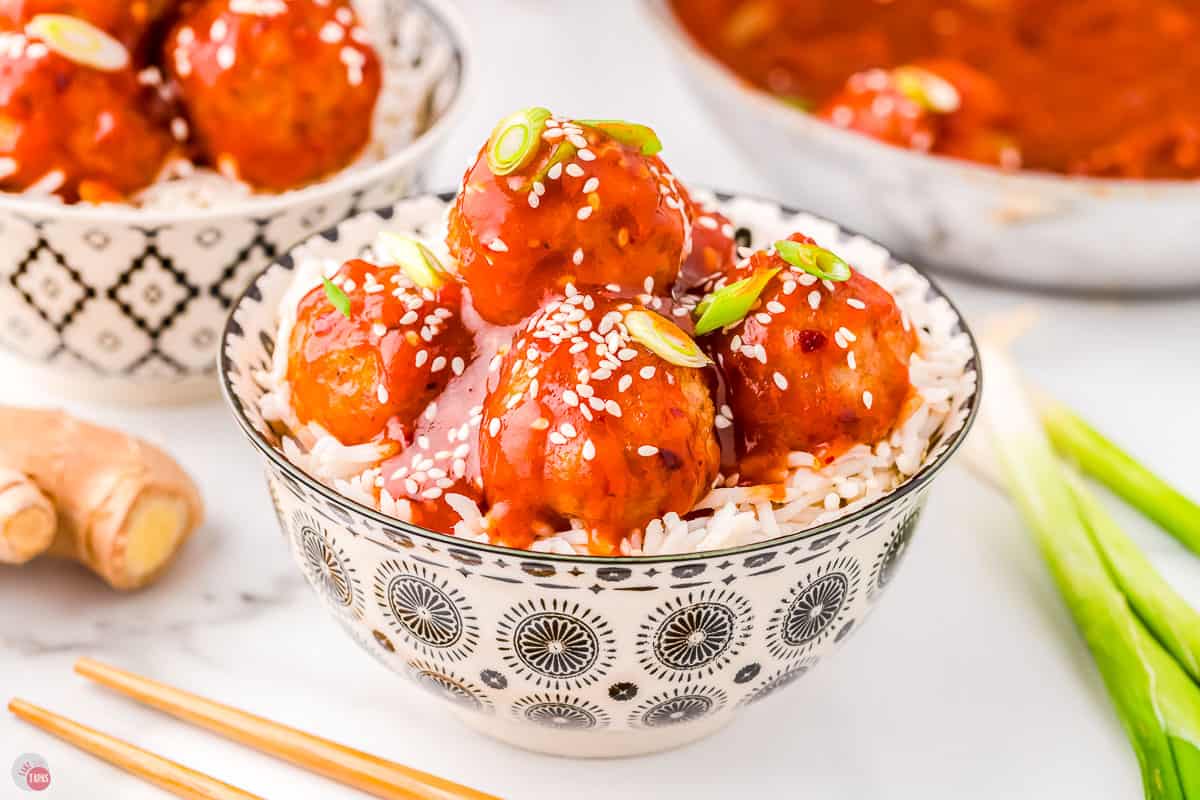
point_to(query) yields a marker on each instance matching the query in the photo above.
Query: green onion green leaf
(814, 260)
(418, 261)
(516, 139)
(665, 339)
(337, 298)
(927, 89)
(1106, 462)
(799, 102)
(731, 304)
(630, 134)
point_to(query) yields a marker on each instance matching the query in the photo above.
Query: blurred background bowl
(573, 655)
(126, 305)
(1025, 228)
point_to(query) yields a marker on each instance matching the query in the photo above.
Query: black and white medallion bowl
(569, 654)
(127, 304)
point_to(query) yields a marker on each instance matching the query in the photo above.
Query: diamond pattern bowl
(127, 305)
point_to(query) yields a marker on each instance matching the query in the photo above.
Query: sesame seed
(722, 422)
(612, 408)
(592, 184)
(439, 364)
(494, 364)
(574, 170)
(814, 299)
(382, 393)
(586, 155)
(379, 329)
(763, 318)
(539, 188)
(458, 365)
(627, 354)
(850, 360)
(540, 424)
(776, 307)
(647, 450)
(411, 486)
(848, 334)
(646, 373)
(410, 318)
(577, 258)
(568, 430)
(584, 212)
(841, 340)
(854, 302)
(422, 357)
(707, 222)
(868, 399)
(625, 382)
(498, 245)
(432, 494)
(557, 438)
(780, 381)
(789, 287)
(589, 450)
(577, 140)
(494, 427)
(555, 172)
(533, 200)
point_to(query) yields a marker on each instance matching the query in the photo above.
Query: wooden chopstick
(363, 771)
(163, 773)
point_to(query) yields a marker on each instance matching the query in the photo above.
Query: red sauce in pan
(1100, 88)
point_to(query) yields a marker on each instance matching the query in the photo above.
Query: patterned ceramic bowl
(573, 655)
(128, 304)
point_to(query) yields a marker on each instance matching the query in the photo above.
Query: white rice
(740, 515)
(399, 116)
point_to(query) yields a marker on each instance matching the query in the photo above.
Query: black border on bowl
(922, 477)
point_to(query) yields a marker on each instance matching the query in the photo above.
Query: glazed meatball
(936, 105)
(72, 128)
(714, 246)
(373, 370)
(816, 366)
(279, 94)
(584, 208)
(129, 21)
(583, 421)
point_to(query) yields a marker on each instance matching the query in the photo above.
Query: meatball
(74, 128)
(586, 421)
(129, 22)
(936, 105)
(586, 207)
(372, 368)
(279, 94)
(816, 366)
(714, 246)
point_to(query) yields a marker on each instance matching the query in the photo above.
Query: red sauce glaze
(384, 363)
(1104, 87)
(276, 99)
(817, 379)
(714, 248)
(60, 116)
(128, 20)
(606, 432)
(609, 215)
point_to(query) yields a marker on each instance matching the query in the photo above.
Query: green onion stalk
(1116, 469)
(1173, 622)
(1154, 697)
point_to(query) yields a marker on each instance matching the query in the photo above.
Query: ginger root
(117, 505)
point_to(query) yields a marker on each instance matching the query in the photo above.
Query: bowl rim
(668, 23)
(921, 478)
(443, 13)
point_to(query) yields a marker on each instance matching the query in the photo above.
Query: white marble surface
(968, 682)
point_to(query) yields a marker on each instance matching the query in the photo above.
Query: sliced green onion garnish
(418, 261)
(797, 101)
(628, 133)
(665, 339)
(927, 89)
(814, 260)
(731, 304)
(561, 154)
(79, 41)
(337, 298)
(516, 139)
